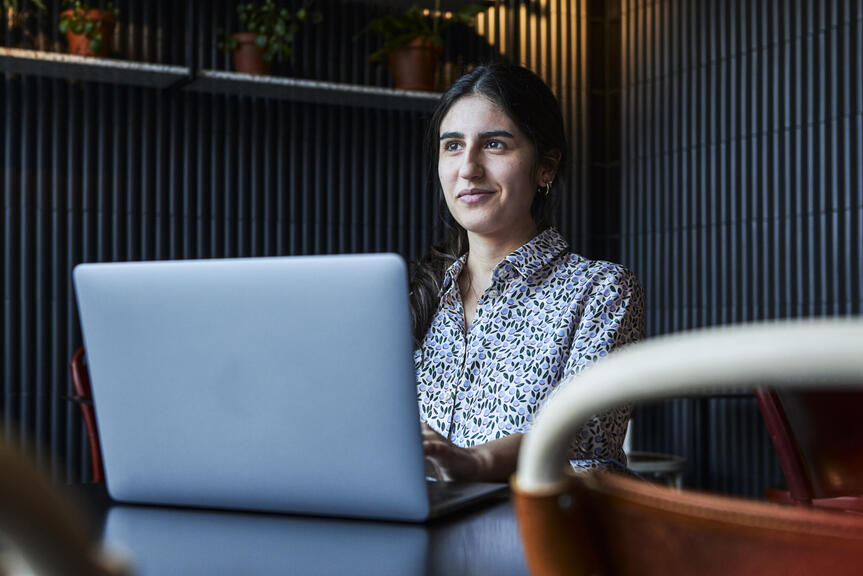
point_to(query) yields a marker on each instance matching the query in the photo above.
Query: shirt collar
(526, 261)
(535, 255)
(451, 274)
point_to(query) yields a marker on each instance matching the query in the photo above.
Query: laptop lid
(280, 384)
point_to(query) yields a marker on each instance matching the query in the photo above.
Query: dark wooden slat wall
(98, 172)
(741, 194)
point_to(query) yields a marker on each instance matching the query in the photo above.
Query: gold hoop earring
(548, 188)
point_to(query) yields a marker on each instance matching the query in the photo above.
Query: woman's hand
(450, 462)
(494, 461)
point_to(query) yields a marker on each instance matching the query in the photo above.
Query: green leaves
(77, 22)
(13, 6)
(400, 29)
(227, 43)
(275, 27)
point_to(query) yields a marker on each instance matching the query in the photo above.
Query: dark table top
(480, 540)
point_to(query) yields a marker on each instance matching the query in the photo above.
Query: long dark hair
(526, 99)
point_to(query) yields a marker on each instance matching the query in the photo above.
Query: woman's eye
(495, 145)
(452, 146)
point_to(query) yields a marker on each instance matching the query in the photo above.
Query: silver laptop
(277, 384)
(163, 541)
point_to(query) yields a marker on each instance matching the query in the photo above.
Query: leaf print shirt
(547, 314)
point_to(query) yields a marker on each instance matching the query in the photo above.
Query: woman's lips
(474, 196)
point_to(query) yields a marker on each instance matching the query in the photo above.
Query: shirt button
(492, 294)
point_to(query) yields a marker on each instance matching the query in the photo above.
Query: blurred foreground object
(39, 534)
(603, 523)
(819, 442)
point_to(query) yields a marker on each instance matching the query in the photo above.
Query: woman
(503, 312)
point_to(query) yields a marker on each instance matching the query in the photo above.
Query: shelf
(57, 65)
(114, 71)
(283, 88)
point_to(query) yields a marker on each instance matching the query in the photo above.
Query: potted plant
(12, 8)
(413, 42)
(21, 21)
(269, 34)
(88, 30)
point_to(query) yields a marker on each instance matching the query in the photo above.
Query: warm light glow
(537, 34)
(543, 37)
(553, 43)
(437, 14)
(503, 30)
(834, 477)
(564, 38)
(522, 32)
(534, 27)
(582, 47)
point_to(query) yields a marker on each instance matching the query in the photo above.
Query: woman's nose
(471, 167)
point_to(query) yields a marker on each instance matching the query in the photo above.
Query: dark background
(715, 146)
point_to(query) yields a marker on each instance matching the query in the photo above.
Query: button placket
(468, 384)
(453, 314)
(460, 387)
(479, 357)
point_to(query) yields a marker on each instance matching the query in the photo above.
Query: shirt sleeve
(613, 317)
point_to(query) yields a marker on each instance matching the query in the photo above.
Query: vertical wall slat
(766, 198)
(102, 172)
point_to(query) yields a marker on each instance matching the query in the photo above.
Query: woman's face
(485, 166)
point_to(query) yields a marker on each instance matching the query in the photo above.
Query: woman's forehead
(474, 114)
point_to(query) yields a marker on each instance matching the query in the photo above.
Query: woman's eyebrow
(496, 134)
(482, 135)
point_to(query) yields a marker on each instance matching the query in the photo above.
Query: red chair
(84, 397)
(819, 442)
(603, 523)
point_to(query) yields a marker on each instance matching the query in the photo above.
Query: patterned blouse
(547, 314)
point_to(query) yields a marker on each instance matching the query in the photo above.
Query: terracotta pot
(248, 58)
(414, 65)
(80, 44)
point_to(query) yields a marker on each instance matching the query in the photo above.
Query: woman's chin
(492, 226)
(479, 227)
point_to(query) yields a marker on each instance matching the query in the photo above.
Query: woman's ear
(548, 167)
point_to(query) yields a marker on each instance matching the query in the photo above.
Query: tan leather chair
(604, 523)
(819, 443)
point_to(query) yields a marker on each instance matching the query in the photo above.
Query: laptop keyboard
(440, 492)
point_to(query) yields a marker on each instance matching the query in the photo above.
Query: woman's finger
(429, 433)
